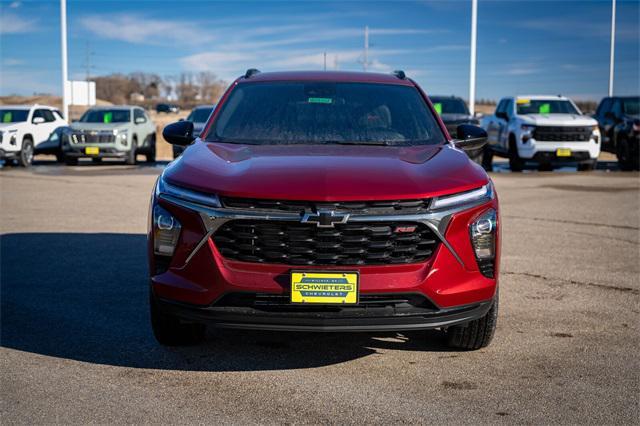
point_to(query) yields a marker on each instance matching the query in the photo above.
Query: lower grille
(268, 301)
(294, 243)
(93, 137)
(562, 134)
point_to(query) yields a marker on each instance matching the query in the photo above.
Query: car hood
(325, 172)
(11, 126)
(558, 120)
(99, 126)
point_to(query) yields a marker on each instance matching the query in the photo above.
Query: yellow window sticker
(523, 102)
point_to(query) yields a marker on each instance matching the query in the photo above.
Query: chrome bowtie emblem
(325, 219)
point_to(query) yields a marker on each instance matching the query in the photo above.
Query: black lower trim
(326, 319)
(104, 153)
(9, 154)
(551, 157)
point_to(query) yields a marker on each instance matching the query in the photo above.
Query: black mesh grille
(351, 207)
(295, 243)
(93, 137)
(562, 134)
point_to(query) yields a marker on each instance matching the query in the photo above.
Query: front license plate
(563, 152)
(324, 287)
(92, 150)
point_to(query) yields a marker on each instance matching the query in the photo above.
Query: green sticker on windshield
(438, 108)
(6, 117)
(320, 101)
(108, 116)
(544, 109)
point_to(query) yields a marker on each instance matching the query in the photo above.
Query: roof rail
(251, 72)
(400, 74)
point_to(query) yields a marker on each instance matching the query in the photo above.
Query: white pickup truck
(547, 130)
(25, 129)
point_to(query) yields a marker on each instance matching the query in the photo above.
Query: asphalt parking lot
(76, 346)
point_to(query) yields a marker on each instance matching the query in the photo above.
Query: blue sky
(523, 46)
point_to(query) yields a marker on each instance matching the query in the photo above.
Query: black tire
(169, 331)
(475, 334)
(96, 160)
(71, 161)
(132, 155)
(26, 153)
(151, 155)
(516, 164)
(487, 158)
(587, 167)
(626, 160)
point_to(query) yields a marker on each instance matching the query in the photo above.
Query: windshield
(13, 115)
(545, 106)
(200, 115)
(106, 116)
(321, 112)
(631, 106)
(449, 106)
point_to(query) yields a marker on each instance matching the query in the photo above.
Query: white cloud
(12, 62)
(15, 4)
(141, 30)
(26, 82)
(12, 23)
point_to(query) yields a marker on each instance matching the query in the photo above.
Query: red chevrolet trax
(324, 201)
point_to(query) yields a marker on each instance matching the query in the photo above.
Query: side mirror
(470, 139)
(179, 133)
(140, 120)
(609, 115)
(37, 120)
(503, 115)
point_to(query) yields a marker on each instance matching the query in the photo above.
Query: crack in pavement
(573, 222)
(575, 282)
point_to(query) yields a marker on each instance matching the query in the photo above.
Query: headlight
(483, 239)
(13, 134)
(485, 192)
(595, 134)
(122, 137)
(166, 231)
(165, 188)
(528, 127)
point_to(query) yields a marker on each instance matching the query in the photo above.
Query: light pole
(613, 45)
(472, 65)
(63, 42)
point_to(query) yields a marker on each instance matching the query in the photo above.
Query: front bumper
(192, 282)
(8, 155)
(326, 318)
(105, 152)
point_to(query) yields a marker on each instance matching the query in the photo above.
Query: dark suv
(619, 121)
(324, 201)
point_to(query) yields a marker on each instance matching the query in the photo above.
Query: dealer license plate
(563, 152)
(92, 150)
(324, 287)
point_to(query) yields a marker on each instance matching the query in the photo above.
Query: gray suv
(111, 132)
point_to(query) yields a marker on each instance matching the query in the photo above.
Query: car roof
(445, 97)
(543, 97)
(330, 76)
(122, 107)
(27, 107)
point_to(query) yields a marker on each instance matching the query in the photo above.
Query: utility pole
(365, 63)
(325, 60)
(63, 43)
(472, 65)
(613, 45)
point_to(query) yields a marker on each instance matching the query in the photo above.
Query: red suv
(324, 201)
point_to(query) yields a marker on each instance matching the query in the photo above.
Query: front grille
(351, 207)
(93, 137)
(562, 134)
(294, 243)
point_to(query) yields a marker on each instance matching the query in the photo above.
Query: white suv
(548, 130)
(23, 128)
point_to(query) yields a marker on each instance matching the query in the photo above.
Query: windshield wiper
(342, 142)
